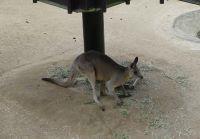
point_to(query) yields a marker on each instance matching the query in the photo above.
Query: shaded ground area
(163, 105)
(32, 108)
(54, 110)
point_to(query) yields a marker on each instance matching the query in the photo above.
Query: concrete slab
(36, 37)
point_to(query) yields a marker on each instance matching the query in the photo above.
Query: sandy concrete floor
(34, 37)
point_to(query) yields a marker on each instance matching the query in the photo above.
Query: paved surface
(36, 37)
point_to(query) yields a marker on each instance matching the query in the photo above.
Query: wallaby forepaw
(46, 79)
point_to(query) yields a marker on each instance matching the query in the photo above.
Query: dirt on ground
(164, 105)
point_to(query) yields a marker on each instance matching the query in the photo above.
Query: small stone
(74, 39)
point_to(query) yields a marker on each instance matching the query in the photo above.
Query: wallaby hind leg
(102, 89)
(98, 88)
(111, 91)
(88, 70)
(92, 81)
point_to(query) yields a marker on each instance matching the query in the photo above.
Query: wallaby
(99, 67)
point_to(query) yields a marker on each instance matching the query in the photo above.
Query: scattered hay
(120, 135)
(149, 111)
(178, 77)
(58, 72)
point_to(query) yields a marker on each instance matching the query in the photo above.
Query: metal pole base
(93, 31)
(162, 1)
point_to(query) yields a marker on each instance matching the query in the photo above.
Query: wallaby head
(134, 70)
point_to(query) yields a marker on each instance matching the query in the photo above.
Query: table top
(84, 5)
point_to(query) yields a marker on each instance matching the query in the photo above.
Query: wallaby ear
(134, 62)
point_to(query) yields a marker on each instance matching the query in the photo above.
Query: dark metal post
(161, 1)
(93, 31)
(93, 34)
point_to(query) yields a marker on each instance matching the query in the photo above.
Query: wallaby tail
(67, 82)
(58, 82)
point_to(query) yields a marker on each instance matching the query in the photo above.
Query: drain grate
(192, 1)
(198, 34)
